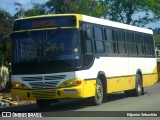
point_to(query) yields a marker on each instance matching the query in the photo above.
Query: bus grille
(39, 82)
(44, 94)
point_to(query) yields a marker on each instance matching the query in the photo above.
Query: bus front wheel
(98, 98)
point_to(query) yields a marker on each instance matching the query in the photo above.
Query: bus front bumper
(82, 91)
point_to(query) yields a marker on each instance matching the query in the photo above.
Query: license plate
(69, 92)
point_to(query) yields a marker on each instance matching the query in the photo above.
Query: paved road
(150, 101)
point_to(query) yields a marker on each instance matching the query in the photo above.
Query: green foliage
(2, 58)
(156, 37)
(116, 10)
(124, 10)
(6, 21)
(95, 8)
(37, 9)
(20, 10)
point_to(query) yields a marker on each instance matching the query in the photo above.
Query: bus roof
(115, 24)
(99, 21)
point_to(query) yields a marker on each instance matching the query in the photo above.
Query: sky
(9, 6)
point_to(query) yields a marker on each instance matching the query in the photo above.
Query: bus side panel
(89, 88)
(120, 84)
(150, 77)
(116, 66)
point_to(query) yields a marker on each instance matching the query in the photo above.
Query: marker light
(17, 85)
(78, 82)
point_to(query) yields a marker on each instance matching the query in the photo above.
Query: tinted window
(139, 44)
(109, 34)
(147, 39)
(131, 49)
(138, 38)
(100, 47)
(122, 48)
(120, 36)
(131, 43)
(88, 46)
(97, 33)
(148, 45)
(130, 37)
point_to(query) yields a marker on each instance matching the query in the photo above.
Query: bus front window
(61, 46)
(46, 50)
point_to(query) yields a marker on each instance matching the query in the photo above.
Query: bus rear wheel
(139, 89)
(98, 98)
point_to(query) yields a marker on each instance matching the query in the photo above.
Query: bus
(61, 56)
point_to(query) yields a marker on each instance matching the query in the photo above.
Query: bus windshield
(47, 46)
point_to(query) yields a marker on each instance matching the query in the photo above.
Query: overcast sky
(9, 6)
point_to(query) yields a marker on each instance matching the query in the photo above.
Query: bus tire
(138, 86)
(98, 98)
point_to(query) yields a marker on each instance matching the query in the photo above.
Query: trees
(135, 12)
(37, 9)
(96, 8)
(6, 21)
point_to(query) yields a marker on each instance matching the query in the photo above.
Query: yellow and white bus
(77, 56)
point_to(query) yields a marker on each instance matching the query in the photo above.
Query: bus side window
(131, 43)
(98, 38)
(120, 37)
(88, 46)
(139, 44)
(152, 45)
(148, 45)
(86, 37)
(110, 42)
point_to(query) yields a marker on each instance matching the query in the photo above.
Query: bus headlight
(71, 83)
(19, 85)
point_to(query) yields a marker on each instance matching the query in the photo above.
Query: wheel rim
(139, 88)
(99, 92)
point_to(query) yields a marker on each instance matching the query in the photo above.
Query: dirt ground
(6, 100)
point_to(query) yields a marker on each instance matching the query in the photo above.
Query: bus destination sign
(44, 22)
